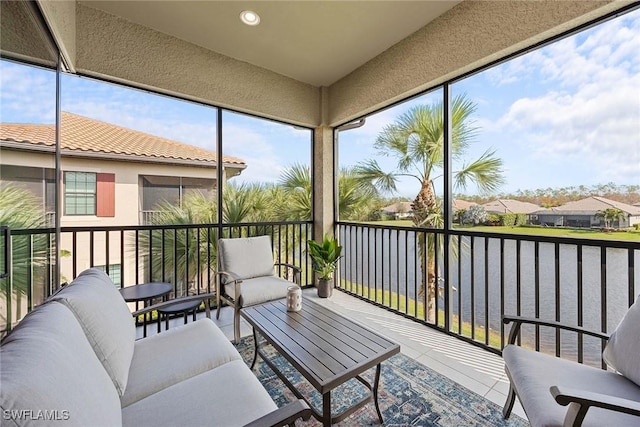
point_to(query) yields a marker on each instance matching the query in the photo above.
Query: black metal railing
(183, 255)
(482, 276)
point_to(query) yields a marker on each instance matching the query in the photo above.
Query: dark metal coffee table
(325, 347)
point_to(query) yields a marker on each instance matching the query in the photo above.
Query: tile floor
(468, 365)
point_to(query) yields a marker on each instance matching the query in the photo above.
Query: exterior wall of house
(127, 207)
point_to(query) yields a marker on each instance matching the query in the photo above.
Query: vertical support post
(323, 181)
(447, 206)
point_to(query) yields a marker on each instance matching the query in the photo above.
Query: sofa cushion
(623, 349)
(186, 351)
(246, 257)
(49, 368)
(229, 395)
(533, 373)
(105, 319)
(260, 289)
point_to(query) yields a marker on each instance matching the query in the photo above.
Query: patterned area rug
(410, 394)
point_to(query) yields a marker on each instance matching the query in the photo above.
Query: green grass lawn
(629, 235)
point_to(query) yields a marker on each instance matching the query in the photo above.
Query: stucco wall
(63, 13)
(123, 51)
(126, 174)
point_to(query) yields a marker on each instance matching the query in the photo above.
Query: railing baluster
(603, 296)
(537, 290)
(556, 258)
(486, 291)
(473, 287)
(501, 291)
(580, 302)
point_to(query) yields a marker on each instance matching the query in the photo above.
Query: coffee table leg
(326, 409)
(375, 392)
(255, 348)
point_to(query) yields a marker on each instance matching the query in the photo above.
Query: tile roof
(510, 206)
(84, 135)
(399, 207)
(591, 205)
(459, 204)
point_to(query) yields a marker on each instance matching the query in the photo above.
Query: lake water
(387, 259)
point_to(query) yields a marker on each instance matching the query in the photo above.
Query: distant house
(461, 205)
(582, 213)
(503, 206)
(398, 210)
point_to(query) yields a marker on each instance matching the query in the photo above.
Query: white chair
(246, 275)
(545, 384)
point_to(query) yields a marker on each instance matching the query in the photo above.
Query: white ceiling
(316, 42)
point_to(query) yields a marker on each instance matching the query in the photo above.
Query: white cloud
(28, 94)
(592, 114)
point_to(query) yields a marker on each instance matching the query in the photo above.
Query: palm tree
(21, 210)
(356, 198)
(610, 215)
(416, 141)
(176, 253)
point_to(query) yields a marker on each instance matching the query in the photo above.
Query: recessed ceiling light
(249, 17)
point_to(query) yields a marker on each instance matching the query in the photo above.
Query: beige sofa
(74, 360)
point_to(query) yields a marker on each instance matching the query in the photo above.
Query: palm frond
(369, 172)
(485, 172)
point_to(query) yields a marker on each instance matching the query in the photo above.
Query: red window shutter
(106, 194)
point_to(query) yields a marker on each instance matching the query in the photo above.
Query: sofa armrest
(518, 321)
(580, 401)
(286, 415)
(205, 297)
(297, 271)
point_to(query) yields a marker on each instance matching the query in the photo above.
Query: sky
(564, 115)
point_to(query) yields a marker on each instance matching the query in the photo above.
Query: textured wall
(61, 15)
(21, 35)
(470, 35)
(123, 51)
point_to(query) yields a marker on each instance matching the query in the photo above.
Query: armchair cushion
(623, 349)
(105, 319)
(260, 289)
(533, 373)
(246, 257)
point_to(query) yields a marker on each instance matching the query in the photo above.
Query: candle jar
(294, 298)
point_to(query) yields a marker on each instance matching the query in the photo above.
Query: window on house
(80, 193)
(114, 273)
(88, 193)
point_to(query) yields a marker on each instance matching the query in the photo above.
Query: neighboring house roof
(510, 206)
(84, 136)
(399, 207)
(459, 204)
(590, 206)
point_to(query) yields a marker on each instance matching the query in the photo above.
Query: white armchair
(546, 385)
(246, 275)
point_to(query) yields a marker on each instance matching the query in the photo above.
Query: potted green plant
(324, 260)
